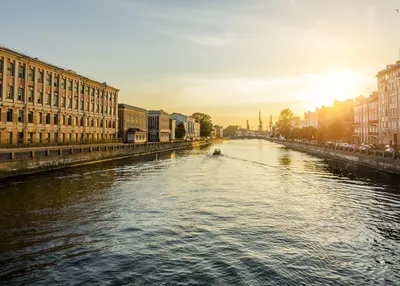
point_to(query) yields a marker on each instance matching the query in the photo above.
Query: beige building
(311, 119)
(388, 101)
(42, 103)
(365, 123)
(158, 126)
(132, 123)
(219, 131)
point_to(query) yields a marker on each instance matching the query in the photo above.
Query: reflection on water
(258, 215)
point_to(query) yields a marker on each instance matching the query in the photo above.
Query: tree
(205, 123)
(180, 131)
(336, 131)
(284, 122)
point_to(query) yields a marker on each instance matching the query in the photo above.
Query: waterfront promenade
(376, 159)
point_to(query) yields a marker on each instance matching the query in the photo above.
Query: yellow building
(132, 123)
(42, 103)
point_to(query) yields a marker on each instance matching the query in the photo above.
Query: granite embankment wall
(22, 161)
(380, 160)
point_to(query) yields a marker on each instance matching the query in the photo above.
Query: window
(56, 81)
(69, 102)
(1, 90)
(76, 87)
(10, 137)
(63, 83)
(20, 116)
(63, 137)
(70, 85)
(10, 92)
(40, 77)
(82, 122)
(55, 119)
(40, 118)
(55, 136)
(76, 121)
(9, 115)
(30, 137)
(55, 99)
(48, 79)
(20, 137)
(69, 120)
(1, 66)
(21, 72)
(40, 97)
(63, 101)
(48, 137)
(21, 94)
(76, 103)
(30, 117)
(47, 118)
(31, 74)
(92, 123)
(63, 120)
(47, 99)
(11, 68)
(82, 105)
(30, 95)
(40, 137)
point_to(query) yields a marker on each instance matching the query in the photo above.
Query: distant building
(230, 130)
(172, 127)
(365, 122)
(311, 119)
(295, 122)
(388, 100)
(132, 123)
(42, 103)
(197, 130)
(158, 126)
(213, 134)
(219, 131)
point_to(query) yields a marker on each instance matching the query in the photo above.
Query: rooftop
(36, 60)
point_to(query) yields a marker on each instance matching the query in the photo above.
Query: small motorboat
(217, 152)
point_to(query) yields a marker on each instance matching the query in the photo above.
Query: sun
(326, 88)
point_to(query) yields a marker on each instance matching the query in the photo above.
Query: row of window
(45, 137)
(65, 120)
(71, 85)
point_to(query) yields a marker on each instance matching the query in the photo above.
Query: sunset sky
(228, 58)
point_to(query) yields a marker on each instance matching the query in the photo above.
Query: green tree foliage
(284, 126)
(206, 124)
(180, 131)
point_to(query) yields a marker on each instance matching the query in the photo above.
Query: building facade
(132, 123)
(172, 127)
(388, 102)
(158, 126)
(42, 103)
(311, 119)
(219, 131)
(365, 124)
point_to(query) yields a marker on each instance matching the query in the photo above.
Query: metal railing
(28, 145)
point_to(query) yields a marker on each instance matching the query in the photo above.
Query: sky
(227, 58)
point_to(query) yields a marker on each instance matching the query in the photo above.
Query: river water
(258, 215)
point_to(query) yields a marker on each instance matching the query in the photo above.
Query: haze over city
(226, 58)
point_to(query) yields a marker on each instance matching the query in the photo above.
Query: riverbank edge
(27, 166)
(384, 164)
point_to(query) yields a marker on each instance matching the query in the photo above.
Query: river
(260, 214)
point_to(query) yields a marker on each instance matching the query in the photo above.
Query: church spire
(260, 124)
